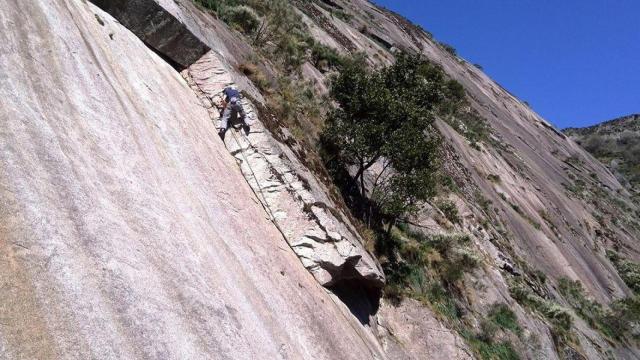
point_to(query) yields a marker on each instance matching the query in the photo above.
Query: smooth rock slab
(126, 229)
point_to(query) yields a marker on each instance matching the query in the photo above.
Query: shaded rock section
(158, 28)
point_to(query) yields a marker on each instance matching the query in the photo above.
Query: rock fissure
(320, 240)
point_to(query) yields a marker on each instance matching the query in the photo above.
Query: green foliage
(428, 270)
(488, 350)
(282, 35)
(623, 320)
(387, 116)
(237, 13)
(241, 17)
(485, 204)
(588, 309)
(485, 346)
(450, 49)
(333, 11)
(540, 276)
(428, 267)
(292, 100)
(559, 317)
(628, 271)
(256, 75)
(467, 122)
(215, 5)
(618, 322)
(449, 210)
(501, 315)
(494, 178)
(443, 302)
(344, 16)
(616, 141)
(325, 58)
(274, 27)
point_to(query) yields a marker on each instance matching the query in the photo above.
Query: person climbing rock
(231, 110)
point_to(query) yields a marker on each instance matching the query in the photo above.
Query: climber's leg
(225, 121)
(243, 117)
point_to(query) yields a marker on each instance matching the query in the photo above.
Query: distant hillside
(617, 144)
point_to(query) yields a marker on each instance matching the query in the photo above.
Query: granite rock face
(328, 245)
(153, 22)
(550, 206)
(126, 228)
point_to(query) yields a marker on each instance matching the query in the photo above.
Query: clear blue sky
(577, 62)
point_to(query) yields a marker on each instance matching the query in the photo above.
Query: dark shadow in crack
(362, 301)
(361, 295)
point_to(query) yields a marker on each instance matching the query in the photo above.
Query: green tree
(386, 117)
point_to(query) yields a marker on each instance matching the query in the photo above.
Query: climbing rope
(264, 202)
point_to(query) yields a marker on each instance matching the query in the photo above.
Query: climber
(231, 109)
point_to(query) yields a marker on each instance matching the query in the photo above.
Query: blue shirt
(230, 93)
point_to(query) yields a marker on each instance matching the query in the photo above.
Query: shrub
(558, 316)
(450, 49)
(428, 268)
(486, 348)
(624, 318)
(494, 178)
(573, 292)
(618, 322)
(214, 5)
(346, 17)
(540, 276)
(325, 58)
(256, 75)
(241, 17)
(449, 210)
(293, 99)
(501, 315)
(628, 270)
(442, 301)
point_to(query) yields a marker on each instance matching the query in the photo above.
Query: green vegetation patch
(428, 268)
(558, 317)
(628, 270)
(450, 210)
(489, 350)
(618, 322)
(502, 316)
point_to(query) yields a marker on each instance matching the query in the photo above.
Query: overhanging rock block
(158, 28)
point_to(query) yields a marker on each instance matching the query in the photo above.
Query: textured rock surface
(154, 23)
(326, 243)
(617, 144)
(411, 331)
(542, 215)
(126, 229)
